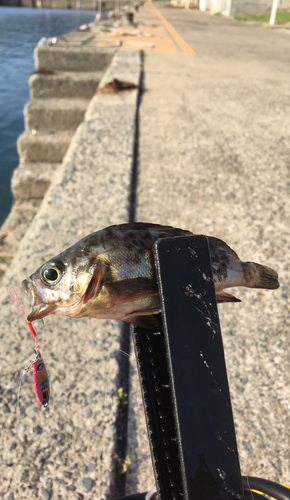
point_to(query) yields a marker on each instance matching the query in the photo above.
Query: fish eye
(52, 273)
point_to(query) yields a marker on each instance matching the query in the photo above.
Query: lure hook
(40, 375)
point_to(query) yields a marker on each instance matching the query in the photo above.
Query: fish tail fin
(258, 276)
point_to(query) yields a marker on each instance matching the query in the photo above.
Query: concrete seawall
(67, 74)
(77, 152)
(106, 5)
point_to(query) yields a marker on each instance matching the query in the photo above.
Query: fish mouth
(38, 311)
(41, 311)
(28, 288)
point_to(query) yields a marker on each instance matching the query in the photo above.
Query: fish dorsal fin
(223, 296)
(149, 226)
(217, 244)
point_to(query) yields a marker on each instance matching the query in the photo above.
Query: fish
(110, 274)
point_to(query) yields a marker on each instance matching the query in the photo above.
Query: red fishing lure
(40, 376)
(41, 382)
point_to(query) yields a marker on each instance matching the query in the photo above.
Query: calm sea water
(20, 30)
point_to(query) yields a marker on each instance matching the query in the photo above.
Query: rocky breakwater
(67, 73)
(72, 449)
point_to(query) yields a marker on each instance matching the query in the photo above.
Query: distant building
(233, 7)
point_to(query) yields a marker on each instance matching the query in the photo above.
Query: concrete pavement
(214, 158)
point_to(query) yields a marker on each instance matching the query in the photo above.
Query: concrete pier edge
(90, 190)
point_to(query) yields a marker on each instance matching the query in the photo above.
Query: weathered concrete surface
(14, 228)
(214, 158)
(66, 57)
(54, 114)
(140, 475)
(75, 438)
(120, 69)
(64, 84)
(31, 180)
(43, 147)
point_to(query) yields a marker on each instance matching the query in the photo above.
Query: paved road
(221, 41)
(214, 158)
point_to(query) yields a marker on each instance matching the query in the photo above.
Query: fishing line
(40, 375)
(19, 306)
(25, 370)
(127, 354)
(250, 488)
(17, 302)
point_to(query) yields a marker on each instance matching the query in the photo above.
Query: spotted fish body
(111, 274)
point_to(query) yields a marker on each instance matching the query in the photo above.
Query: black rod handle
(207, 447)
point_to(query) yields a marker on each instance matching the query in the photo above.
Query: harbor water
(20, 30)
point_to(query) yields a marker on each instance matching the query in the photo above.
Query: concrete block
(43, 147)
(15, 226)
(130, 60)
(54, 114)
(64, 84)
(89, 191)
(67, 57)
(125, 67)
(31, 180)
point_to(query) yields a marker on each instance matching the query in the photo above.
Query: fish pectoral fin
(152, 322)
(226, 297)
(130, 290)
(94, 284)
(145, 312)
